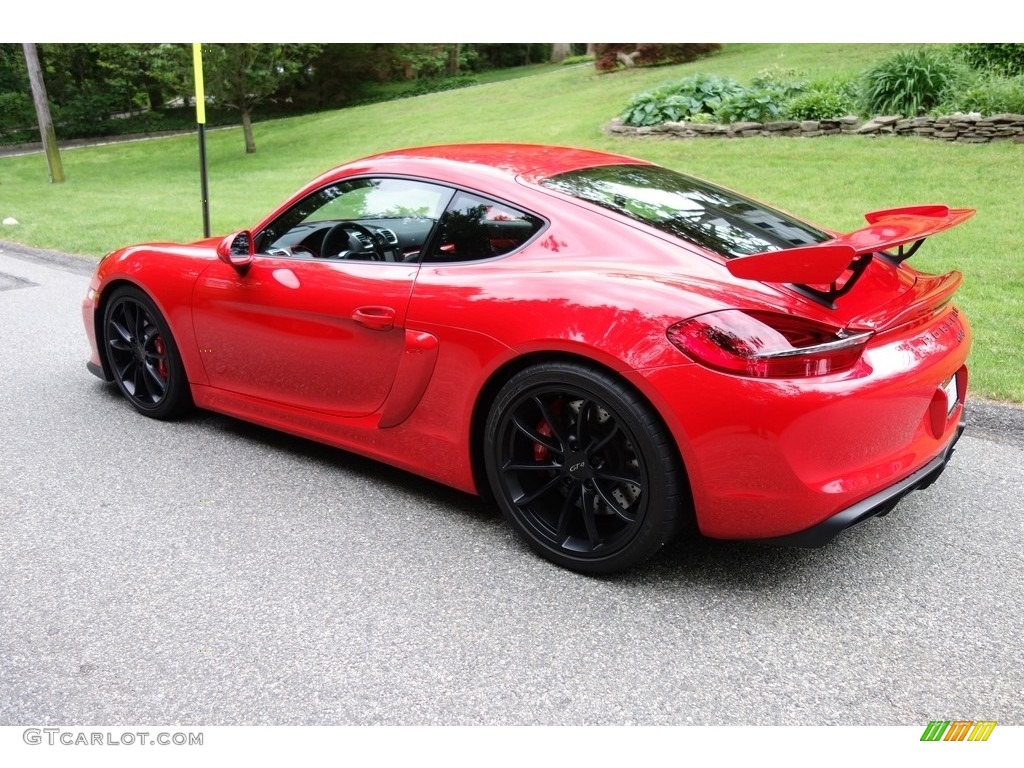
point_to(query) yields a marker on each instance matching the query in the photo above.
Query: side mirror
(237, 250)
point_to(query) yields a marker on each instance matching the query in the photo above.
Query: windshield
(684, 207)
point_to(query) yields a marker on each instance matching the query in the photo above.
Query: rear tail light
(766, 344)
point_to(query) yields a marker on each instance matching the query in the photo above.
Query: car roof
(498, 169)
(531, 162)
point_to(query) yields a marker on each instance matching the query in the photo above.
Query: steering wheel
(339, 239)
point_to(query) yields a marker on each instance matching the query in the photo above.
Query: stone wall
(971, 129)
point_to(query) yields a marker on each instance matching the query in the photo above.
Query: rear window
(684, 207)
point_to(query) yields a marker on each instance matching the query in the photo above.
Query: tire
(583, 468)
(142, 355)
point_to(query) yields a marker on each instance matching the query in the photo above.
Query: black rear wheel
(583, 467)
(142, 355)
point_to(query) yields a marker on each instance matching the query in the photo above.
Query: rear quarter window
(474, 228)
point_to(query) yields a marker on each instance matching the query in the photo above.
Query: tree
(453, 59)
(243, 75)
(499, 55)
(142, 72)
(17, 114)
(92, 85)
(559, 51)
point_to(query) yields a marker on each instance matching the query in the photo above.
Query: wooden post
(49, 137)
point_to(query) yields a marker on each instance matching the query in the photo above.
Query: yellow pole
(197, 66)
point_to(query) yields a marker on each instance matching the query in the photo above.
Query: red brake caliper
(541, 452)
(161, 366)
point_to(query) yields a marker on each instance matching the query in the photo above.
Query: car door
(310, 334)
(318, 331)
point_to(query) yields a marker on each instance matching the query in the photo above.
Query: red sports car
(611, 350)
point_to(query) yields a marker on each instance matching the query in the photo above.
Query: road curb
(83, 265)
(35, 148)
(1000, 420)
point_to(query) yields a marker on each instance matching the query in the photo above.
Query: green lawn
(149, 190)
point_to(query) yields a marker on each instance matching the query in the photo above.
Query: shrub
(436, 84)
(581, 59)
(1001, 58)
(657, 54)
(988, 94)
(680, 101)
(753, 104)
(908, 83)
(702, 117)
(17, 118)
(770, 90)
(654, 108)
(819, 105)
(86, 113)
(786, 82)
(823, 100)
(146, 122)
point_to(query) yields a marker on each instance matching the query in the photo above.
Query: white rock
(10, 221)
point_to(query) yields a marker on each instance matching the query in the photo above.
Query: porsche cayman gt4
(611, 351)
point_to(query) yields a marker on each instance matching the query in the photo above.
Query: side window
(367, 219)
(476, 228)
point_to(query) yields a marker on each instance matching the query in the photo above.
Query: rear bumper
(877, 505)
(797, 460)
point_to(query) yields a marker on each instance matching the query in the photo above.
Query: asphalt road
(209, 572)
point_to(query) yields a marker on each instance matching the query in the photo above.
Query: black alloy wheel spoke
(603, 442)
(122, 342)
(130, 314)
(582, 421)
(552, 467)
(120, 345)
(613, 504)
(153, 355)
(154, 384)
(126, 374)
(536, 436)
(140, 384)
(550, 485)
(562, 534)
(157, 360)
(616, 478)
(553, 422)
(140, 322)
(588, 518)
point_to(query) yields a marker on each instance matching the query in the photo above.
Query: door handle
(375, 318)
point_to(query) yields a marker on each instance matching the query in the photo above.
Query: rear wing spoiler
(824, 263)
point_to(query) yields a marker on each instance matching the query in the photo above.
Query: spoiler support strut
(849, 254)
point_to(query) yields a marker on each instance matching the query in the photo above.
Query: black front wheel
(142, 355)
(583, 468)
